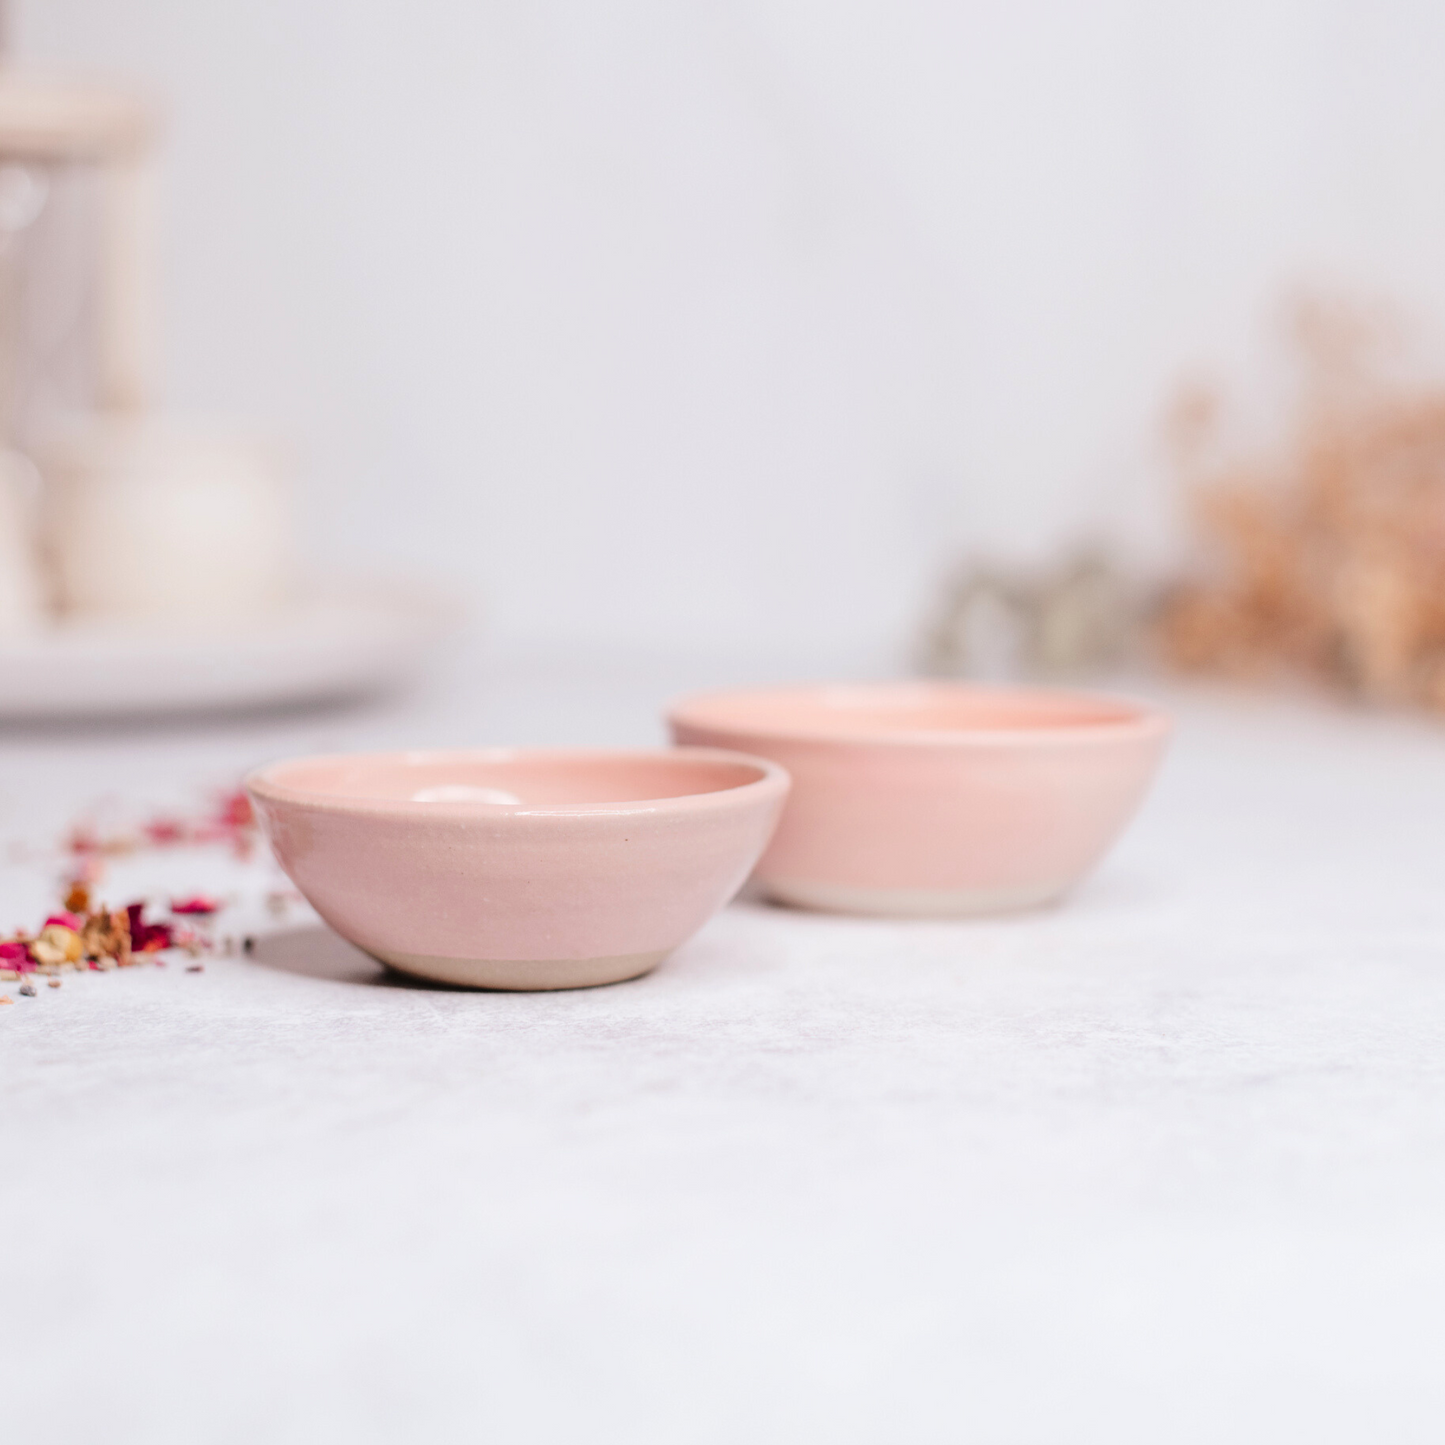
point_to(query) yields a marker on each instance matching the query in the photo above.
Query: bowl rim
(773, 781)
(1145, 720)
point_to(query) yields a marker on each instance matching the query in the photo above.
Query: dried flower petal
(165, 831)
(234, 810)
(147, 937)
(200, 903)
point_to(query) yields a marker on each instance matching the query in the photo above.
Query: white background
(727, 324)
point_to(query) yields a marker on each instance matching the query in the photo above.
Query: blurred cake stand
(339, 641)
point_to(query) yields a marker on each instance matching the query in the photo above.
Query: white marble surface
(1167, 1164)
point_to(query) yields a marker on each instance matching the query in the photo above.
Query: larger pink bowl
(936, 798)
(519, 869)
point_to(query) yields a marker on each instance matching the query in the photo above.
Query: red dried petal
(161, 831)
(234, 810)
(200, 903)
(65, 920)
(15, 954)
(146, 937)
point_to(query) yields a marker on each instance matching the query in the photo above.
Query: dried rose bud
(67, 937)
(107, 935)
(57, 944)
(77, 900)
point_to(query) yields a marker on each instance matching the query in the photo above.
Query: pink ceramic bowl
(519, 868)
(936, 798)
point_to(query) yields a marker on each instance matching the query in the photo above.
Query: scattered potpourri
(229, 821)
(85, 936)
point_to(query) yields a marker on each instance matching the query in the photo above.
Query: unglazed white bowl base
(910, 902)
(526, 974)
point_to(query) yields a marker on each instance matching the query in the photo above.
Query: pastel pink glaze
(936, 797)
(603, 858)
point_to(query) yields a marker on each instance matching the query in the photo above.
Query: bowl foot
(523, 975)
(911, 902)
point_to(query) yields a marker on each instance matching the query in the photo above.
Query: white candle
(22, 590)
(146, 521)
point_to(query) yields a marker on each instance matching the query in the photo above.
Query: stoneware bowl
(935, 799)
(519, 868)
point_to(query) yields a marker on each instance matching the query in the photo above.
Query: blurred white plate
(342, 641)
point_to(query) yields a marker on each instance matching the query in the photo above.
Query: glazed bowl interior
(908, 711)
(503, 777)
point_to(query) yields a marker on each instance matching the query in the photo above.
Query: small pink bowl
(519, 868)
(935, 798)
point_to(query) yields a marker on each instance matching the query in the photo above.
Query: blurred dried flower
(56, 945)
(107, 935)
(1075, 618)
(1330, 561)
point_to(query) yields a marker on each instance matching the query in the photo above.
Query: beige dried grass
(1327, 561)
